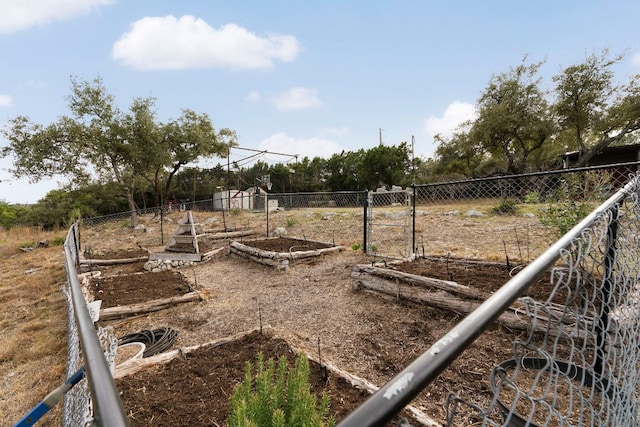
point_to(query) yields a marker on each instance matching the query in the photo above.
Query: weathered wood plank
(147, 307)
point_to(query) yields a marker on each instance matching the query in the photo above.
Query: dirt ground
(314, 303)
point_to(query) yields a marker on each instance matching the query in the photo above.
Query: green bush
(355, 246)
(532, 197)
(235, 211)
(290, 222)
(506, 207)
(278, 397)
(564, 215)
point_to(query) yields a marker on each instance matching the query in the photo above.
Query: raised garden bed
(457, 285)
(281, 252)
(192, 386)
(132, 294)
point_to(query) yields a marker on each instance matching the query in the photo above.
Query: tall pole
(229, 175)
(413, 159)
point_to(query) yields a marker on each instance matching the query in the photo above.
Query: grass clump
(505, 207)
(278, 397)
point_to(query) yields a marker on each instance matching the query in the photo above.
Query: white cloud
(311, 147)
(6, 101)
(336, 131)
(455, 114)
(16, 15)
(297, 98)
(635, 60)
(36, 83)
(253, 96)
(170, 43)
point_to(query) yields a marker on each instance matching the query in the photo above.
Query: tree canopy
(522, 127)
(97, 139)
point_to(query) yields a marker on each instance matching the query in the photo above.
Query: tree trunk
(132, 207)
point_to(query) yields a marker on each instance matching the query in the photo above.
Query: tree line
(125, 160)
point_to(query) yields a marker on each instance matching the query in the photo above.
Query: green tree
(384, 166)
(593, 111)
(514, 117)
(98, 138)
(342, 171)
(458, 155)
(8, 215)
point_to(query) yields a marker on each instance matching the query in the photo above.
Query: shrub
(290, 222)
(564, 215)
(506, 207)
(277, 397)
(532, 197)
(235, 211)
(355, 246)
(57, 241)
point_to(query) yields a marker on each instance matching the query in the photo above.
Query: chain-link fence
(91, 349)
(583, 368)
(389, 224)
(325, 217)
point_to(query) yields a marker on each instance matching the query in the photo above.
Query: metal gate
(389, 224)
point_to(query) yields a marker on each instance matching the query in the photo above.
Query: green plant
(532, 197)
(235, 211)
(355, 246)
(505, 207)
(290, 222)
(564, 215)
(57, 241)
(277, 397)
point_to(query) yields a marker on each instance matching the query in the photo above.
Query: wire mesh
(78, 407)
(583, 370)
(389, 224)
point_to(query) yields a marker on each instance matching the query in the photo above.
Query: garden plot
(281, 252)
(362, 333)
(136, 293)
(193, 386)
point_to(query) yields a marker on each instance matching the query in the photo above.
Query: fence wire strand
(583, 371)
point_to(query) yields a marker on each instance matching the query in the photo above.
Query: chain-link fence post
(364, 220)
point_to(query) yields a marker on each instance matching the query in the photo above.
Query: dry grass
(33, 323)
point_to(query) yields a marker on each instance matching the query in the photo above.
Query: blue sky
(294, 77)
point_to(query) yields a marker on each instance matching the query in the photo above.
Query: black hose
(155, 341)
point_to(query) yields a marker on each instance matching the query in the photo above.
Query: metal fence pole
(107, 407)
(603, 321)
(364, 220)
(413, 221)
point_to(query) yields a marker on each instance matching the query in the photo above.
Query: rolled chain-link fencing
(584, 369)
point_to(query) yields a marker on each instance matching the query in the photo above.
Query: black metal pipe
(365, 220)
(414, 249)
(391, 398)
(107, 406)
(603, 321)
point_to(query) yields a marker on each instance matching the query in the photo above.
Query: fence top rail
(107, 406)
(529, 175)
(400, 390)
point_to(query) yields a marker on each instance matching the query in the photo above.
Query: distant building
(610, 156)
(232, 199)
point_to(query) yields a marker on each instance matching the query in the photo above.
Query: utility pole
(380, 137)
(413, 159)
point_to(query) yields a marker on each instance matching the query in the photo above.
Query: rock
(474, 213)
(279, 232)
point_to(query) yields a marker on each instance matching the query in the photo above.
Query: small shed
(232, 199)
(610, 156)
